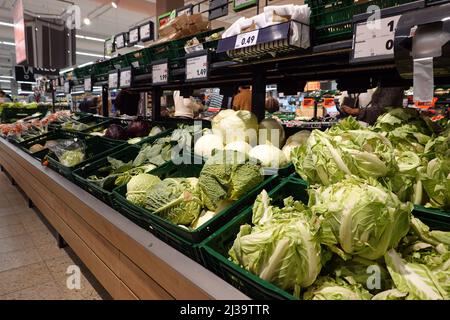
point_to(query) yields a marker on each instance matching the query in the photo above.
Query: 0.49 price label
(197, 68)
(160, 73)
(246, 39)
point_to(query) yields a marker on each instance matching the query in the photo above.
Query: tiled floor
(31, 264)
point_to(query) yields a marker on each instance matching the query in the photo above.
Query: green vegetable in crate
(436, 182)
(71, 158)
(283, 247)
(175, 199)
(360, 219)
(157, 153)
(415, 279)
(327, 288)
(138, 186)
(227, 175)
(327, 158)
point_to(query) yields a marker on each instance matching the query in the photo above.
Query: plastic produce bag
(69, 152)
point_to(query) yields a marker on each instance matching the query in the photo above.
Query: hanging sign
(197, 68)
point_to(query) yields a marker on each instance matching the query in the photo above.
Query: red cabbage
(116, 132)
(138, 128)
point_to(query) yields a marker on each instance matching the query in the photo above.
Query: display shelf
(128, 261)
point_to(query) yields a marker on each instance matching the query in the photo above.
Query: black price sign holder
(160, 72)
(197, 66)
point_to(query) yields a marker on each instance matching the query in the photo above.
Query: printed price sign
(328, 103)
(374, 40)
(246, 39)
(308, 103)
(87, 85)
(197, 68)
(125, 78)
(67, 87)
(134, 35)
(113, 80)
(160, 73)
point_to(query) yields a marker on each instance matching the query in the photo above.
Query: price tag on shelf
(197, 68)
(374, 39)
(67, 87)
(160, 73)
(125, 78)
(113, 80)
(246, 39)
(87, 85)
(134, 35)
(328, 103)
(308, 103)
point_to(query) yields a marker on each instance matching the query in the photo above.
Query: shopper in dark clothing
(128, 102)
(382, 98)
(89, 106)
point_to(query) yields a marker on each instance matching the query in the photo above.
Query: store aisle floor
(32, 267)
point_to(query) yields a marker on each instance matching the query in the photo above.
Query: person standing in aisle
(37, 96)
(4, 97)
(243, 100)
(127, 102)
(369, 106)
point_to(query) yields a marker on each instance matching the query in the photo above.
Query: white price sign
(134, 35)
(246, 39)
(87, 85)
(125, 78)
(145, 31)
(375, 38)
(67, 87)
(113, 80)
(160, 73)
(197, 68)
(120, 41)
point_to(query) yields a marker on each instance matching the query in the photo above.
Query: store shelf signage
(113, 80)
(126, 78)
(374, 40)
(67, 87)
(197, 68)
(87, 84)
(134, 36)
(246, 39)
(160, 73)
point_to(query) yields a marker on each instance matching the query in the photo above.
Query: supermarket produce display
(307, 203)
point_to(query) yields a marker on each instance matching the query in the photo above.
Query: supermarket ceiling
(105, 21)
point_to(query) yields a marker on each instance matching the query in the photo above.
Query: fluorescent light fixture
(6, 24)
(7, 91)
(79, 36)
(5, 81)
(7, 43)
(114, 4)
(139, 46)
(85, 64)
(446, 19)
(65, 70)
(97, 89)
(87, 54)
(78, 92)
(25, 92)
(26, 82)
(6, 77)
(87, 21)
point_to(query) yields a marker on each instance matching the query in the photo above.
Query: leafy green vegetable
(415, 279)
(327, 288)
(227, 175)
(359, 218)
(138, 186)
(282, 247)
(436, 182)
(71, 158)
(175, 199)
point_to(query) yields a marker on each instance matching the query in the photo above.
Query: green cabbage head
(138, 186)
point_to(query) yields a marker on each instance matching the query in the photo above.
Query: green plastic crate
(81, 73)
(434, 218)
(82, 174)
(215, 249)
(102, 68)
(332, 20)
(139, 59)
(97, 124)
(96, 148)
(167, 230)
(10, 115)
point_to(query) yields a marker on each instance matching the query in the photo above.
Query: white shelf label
(87, 85)
(67, 87)
(145, 31)
(197, 68)
(375, 38)
(246, 39)
(125, 78)
(113, 80)
(134, 36)
(160, 73)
